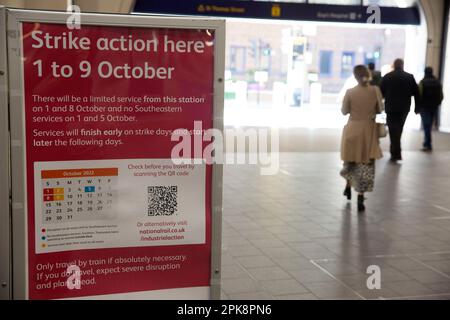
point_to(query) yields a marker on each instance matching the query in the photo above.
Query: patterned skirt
(360, 175)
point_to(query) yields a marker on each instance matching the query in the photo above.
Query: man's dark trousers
(428, 117)
(395, 122)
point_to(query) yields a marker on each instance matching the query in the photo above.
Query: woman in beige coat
(360, 146)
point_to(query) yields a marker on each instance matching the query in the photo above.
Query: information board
(99, 105)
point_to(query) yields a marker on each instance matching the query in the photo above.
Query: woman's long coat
(360, 142)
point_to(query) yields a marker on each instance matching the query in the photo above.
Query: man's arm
(416, 94)
(383, 86)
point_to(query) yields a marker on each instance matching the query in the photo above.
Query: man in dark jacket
(398, 87)
(431, 96)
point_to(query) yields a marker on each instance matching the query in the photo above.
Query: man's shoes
(426, 149)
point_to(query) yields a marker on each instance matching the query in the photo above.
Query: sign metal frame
(17, 119)
(5, 211)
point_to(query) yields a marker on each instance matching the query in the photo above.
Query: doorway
(294, 74)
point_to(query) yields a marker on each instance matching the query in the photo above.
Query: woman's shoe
(361, 206)
(348, 193)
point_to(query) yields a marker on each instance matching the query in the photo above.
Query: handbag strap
(380, 107)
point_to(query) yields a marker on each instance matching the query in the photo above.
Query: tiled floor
(294, 236)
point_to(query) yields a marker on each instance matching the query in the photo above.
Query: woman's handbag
(382, 130)
(381, 126)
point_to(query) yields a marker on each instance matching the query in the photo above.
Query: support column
(433, 11)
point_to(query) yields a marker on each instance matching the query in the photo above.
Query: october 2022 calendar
(78, 194)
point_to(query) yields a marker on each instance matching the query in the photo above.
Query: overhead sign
(279, 11)
(107, 210)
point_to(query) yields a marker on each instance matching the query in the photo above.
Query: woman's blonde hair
(361, 74)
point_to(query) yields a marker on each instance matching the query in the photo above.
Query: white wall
(115, 6)
(445, 108)
(13, 3)
(36, 4)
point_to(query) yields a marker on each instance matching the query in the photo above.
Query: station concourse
(282, 69)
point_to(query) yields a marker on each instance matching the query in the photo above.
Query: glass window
(347, 63)
(260, 53)
(326, 63)
(373, 57)
(237, 59)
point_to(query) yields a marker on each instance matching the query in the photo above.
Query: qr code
(162, 200)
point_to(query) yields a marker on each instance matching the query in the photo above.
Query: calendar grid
(78, 194)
